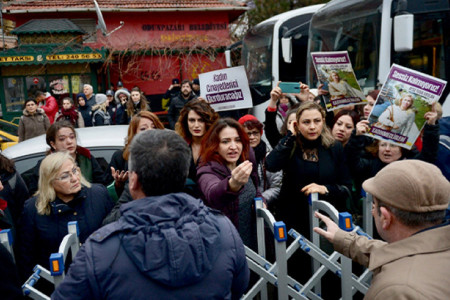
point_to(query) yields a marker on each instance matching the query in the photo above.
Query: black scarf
(260, 151)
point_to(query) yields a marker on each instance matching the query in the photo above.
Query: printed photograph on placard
(334, 70)
(405, 97)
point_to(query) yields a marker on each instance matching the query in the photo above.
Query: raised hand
(362, 127)
(432, 115)
(240, 176)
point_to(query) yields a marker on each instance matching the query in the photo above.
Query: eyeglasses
(254, 133)
(66, 176)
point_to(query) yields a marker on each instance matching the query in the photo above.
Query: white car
(102, 141)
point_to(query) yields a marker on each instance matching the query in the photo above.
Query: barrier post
(72, 228)
(6, 239)
(260, 228)
(345, 223)
(57, 267)
(261, 239)
(314, 237)
(280, 234)
(367, 213)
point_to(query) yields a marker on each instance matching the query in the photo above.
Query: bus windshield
(257, 60)
(431, 45)
(353, 27)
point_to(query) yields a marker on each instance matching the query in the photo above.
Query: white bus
(262, 57)
(365, 28)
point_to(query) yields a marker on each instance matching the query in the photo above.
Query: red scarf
(70, 114)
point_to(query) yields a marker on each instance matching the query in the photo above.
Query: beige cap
(410, 185)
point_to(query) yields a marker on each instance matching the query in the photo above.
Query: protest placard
(405, 97)
(334, 70)
(226, 89)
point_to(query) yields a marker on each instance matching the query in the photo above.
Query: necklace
(311, 155)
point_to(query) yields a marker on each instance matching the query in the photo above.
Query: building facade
(67, 45)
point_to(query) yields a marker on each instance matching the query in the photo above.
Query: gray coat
(269, 182)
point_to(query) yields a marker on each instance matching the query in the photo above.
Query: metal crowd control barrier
(56, 273)
(367, 212)
(349, 282)
(276, 273)
(6, 239)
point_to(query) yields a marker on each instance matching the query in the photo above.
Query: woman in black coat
(13, 193)
(63, 196)
(312, 162)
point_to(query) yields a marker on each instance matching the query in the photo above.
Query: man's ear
(386, 218)
(133, 182)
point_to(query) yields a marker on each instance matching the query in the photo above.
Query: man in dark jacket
(167, 244)
(177, 102)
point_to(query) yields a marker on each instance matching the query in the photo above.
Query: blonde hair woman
(312, 162)
(100, 115)
(63, 195)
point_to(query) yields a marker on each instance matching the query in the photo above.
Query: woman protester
(381, 153)
(84, 109)
(227, 176)
(194, 121)
(343, 124)
(271, 124)
(69, 113)
(33, 122)
(269, 183)
(118, 166)
(115, 108)
(312, 162)
(63, 196)
(138, 103)
(100, 115)
(371, 99)
(13, 193)
(122, 96)
(62, 137)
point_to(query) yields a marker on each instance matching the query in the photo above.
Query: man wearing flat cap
(410, 198)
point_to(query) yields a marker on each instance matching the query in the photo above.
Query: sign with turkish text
(334, 70)
(398, 115)
(226, 89)
(23, 58)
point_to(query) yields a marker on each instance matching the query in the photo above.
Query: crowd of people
(180, 242)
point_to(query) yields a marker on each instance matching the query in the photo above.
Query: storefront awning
(51, 54)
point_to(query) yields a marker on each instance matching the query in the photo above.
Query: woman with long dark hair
(137, 103)
(194, 121)
(227, 175)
